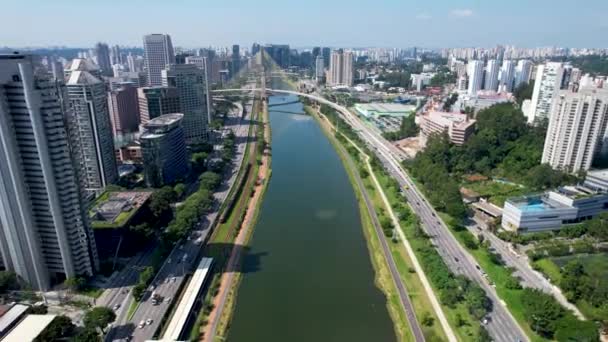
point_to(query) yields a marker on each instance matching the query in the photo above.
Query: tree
(87, 335)
(483, 335)
(209, 180)
(477, 301)
(8, 281)
(60, 327)
(74, 283)
(99, 317)
(541, 311)
(572, 330)
(180, 190)
(160, 201)
(199, 161)
(427, 319)
(524, 92)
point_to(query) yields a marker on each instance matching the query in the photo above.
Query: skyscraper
(507, 76)
(90, 132)
(475, 73)
(102, 53)
(191, 85)
(491, 79)
(236, 60)
(158, 53)
(522, 72)
(279, 53)
(157, 101)
(164, 150)
(326, 52)
(341, 68)
(576, 128)
(319, 68)
(44, 232)
(203, 64)
(124, 109)
(116, 55)
(547, 82)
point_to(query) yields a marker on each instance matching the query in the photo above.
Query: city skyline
(399, 24)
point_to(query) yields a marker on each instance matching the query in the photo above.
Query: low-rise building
(29, 328)
(376, 110)
(458, 126)
(597, 180)
(483, 100)
(553, 209)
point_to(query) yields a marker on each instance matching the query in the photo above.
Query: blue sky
(357, 23)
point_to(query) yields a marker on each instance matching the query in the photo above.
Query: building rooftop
(457, 120)
(82, 77)
(115, 209)
(81, 64)
(538, 202)
(29, 328)
(13, 314)
(380, 109)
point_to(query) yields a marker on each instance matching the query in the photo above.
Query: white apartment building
(475, 73)
(158, 52)
(577, 125)
(547, 83)
(419, 81)
(341, 68)
(507, 76)
(44, 232)
(90, 133)
(523, 71)
(491, 76)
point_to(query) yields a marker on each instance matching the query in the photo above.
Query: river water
(308, 274)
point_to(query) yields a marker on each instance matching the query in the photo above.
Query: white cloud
(423, 16)
(465, 12)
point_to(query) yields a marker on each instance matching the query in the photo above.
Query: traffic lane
(443, 243)
(498, 326)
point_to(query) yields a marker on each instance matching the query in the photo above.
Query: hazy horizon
(357, 23)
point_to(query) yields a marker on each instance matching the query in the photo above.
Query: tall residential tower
(44, 232)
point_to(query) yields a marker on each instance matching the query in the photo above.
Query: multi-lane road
(172, 274)
(501, 324)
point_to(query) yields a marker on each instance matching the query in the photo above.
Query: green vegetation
(593, 64)
(407, 129)
(99, 318)
(442, 77)
(60, 328)
(524, 92)
(463, 302)
(497, 192)
(503, 146)
(145, 277)
(550, 320)
(447, 106)
(584, 280)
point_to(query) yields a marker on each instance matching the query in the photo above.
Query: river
(308, 274)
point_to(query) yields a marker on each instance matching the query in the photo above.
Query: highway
(172, 274)
(502, 326)
(404, 297)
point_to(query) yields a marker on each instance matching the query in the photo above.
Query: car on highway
(116, 307)
(456, 259)
(149, 321)
(173, 279)
(141, 324)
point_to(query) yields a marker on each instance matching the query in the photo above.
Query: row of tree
(62, 329)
